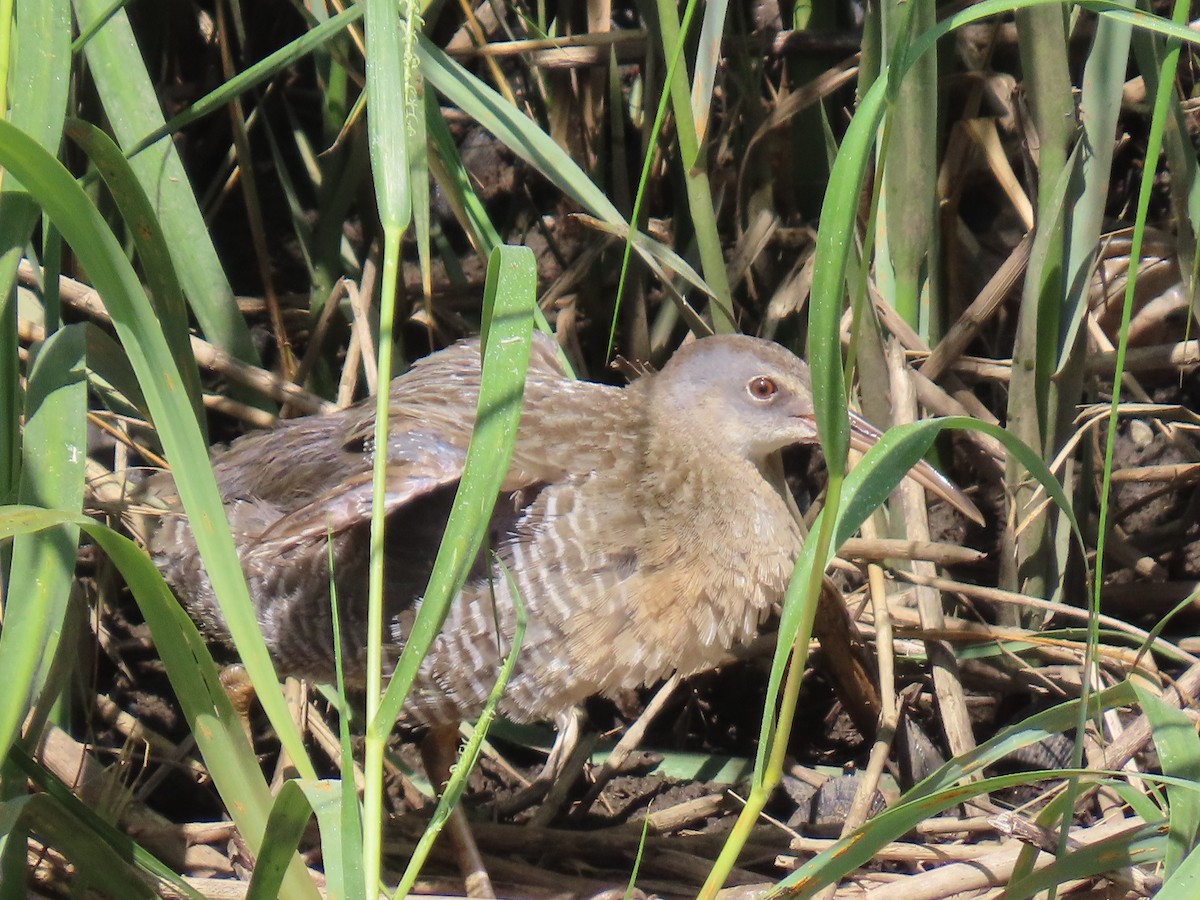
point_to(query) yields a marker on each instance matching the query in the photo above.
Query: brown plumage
(647, 528)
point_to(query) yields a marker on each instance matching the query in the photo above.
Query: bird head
(744, 395)
(750, 397)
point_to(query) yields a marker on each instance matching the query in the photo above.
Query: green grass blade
(859, 848)
(131, 104)
(97, 865)
(39, 85)
(286, 823)
(943, 789)
(631, 886)
(470, 753)
(54, 447)
(512, 279)
(1179, 755)
(391, 99)
(214, 724)
(1138, 847)
(263, 70)
(866, 487)
(347, 832)
(296, 802)
(412, 91)
(699, 192)
(1182, 164)
(521, 135)
(387, 86)
(838, 214)
(1099, 106)
(83, 816)
(455, 182)
(513, 129)
(137, 327)
(910, 172)
(1184, 818)
(40, 66)
(193, 675)
(708, 58)
(835, 242)
(507, 328)
(1029, 731)
(139, 214)
(871, 481)
(1184, 882)
(1032, 410)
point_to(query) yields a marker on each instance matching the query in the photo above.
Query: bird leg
(438, 752)
(568, 726)
(629, 742)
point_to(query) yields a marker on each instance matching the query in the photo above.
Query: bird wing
(431, 414)
(349, 503)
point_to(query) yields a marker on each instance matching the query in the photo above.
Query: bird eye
(762, 388)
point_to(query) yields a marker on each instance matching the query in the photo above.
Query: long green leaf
(193, 675)
(137, 326)
(866, 487)
(470, 753)
(1184, 882)
(509, 330)
(700, 199)
(83, 816)
(97, 866)
(1142, 846)
(521, 135)
(139, 214)
(39, 81)
(296, 803)
(388, 65)
(43, 565)
(263, 70)
(131, 104)
(943, 789)
(1179, 755)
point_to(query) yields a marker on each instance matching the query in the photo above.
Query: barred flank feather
(642, 525)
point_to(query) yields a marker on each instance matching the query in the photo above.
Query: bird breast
(627, 574)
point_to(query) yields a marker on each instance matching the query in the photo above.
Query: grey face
(749, 395)
(752, 397)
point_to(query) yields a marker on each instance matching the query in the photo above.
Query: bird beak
(864, 435)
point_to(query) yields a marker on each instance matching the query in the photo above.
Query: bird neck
(686, 446)
(704, 496)
(689, 475)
